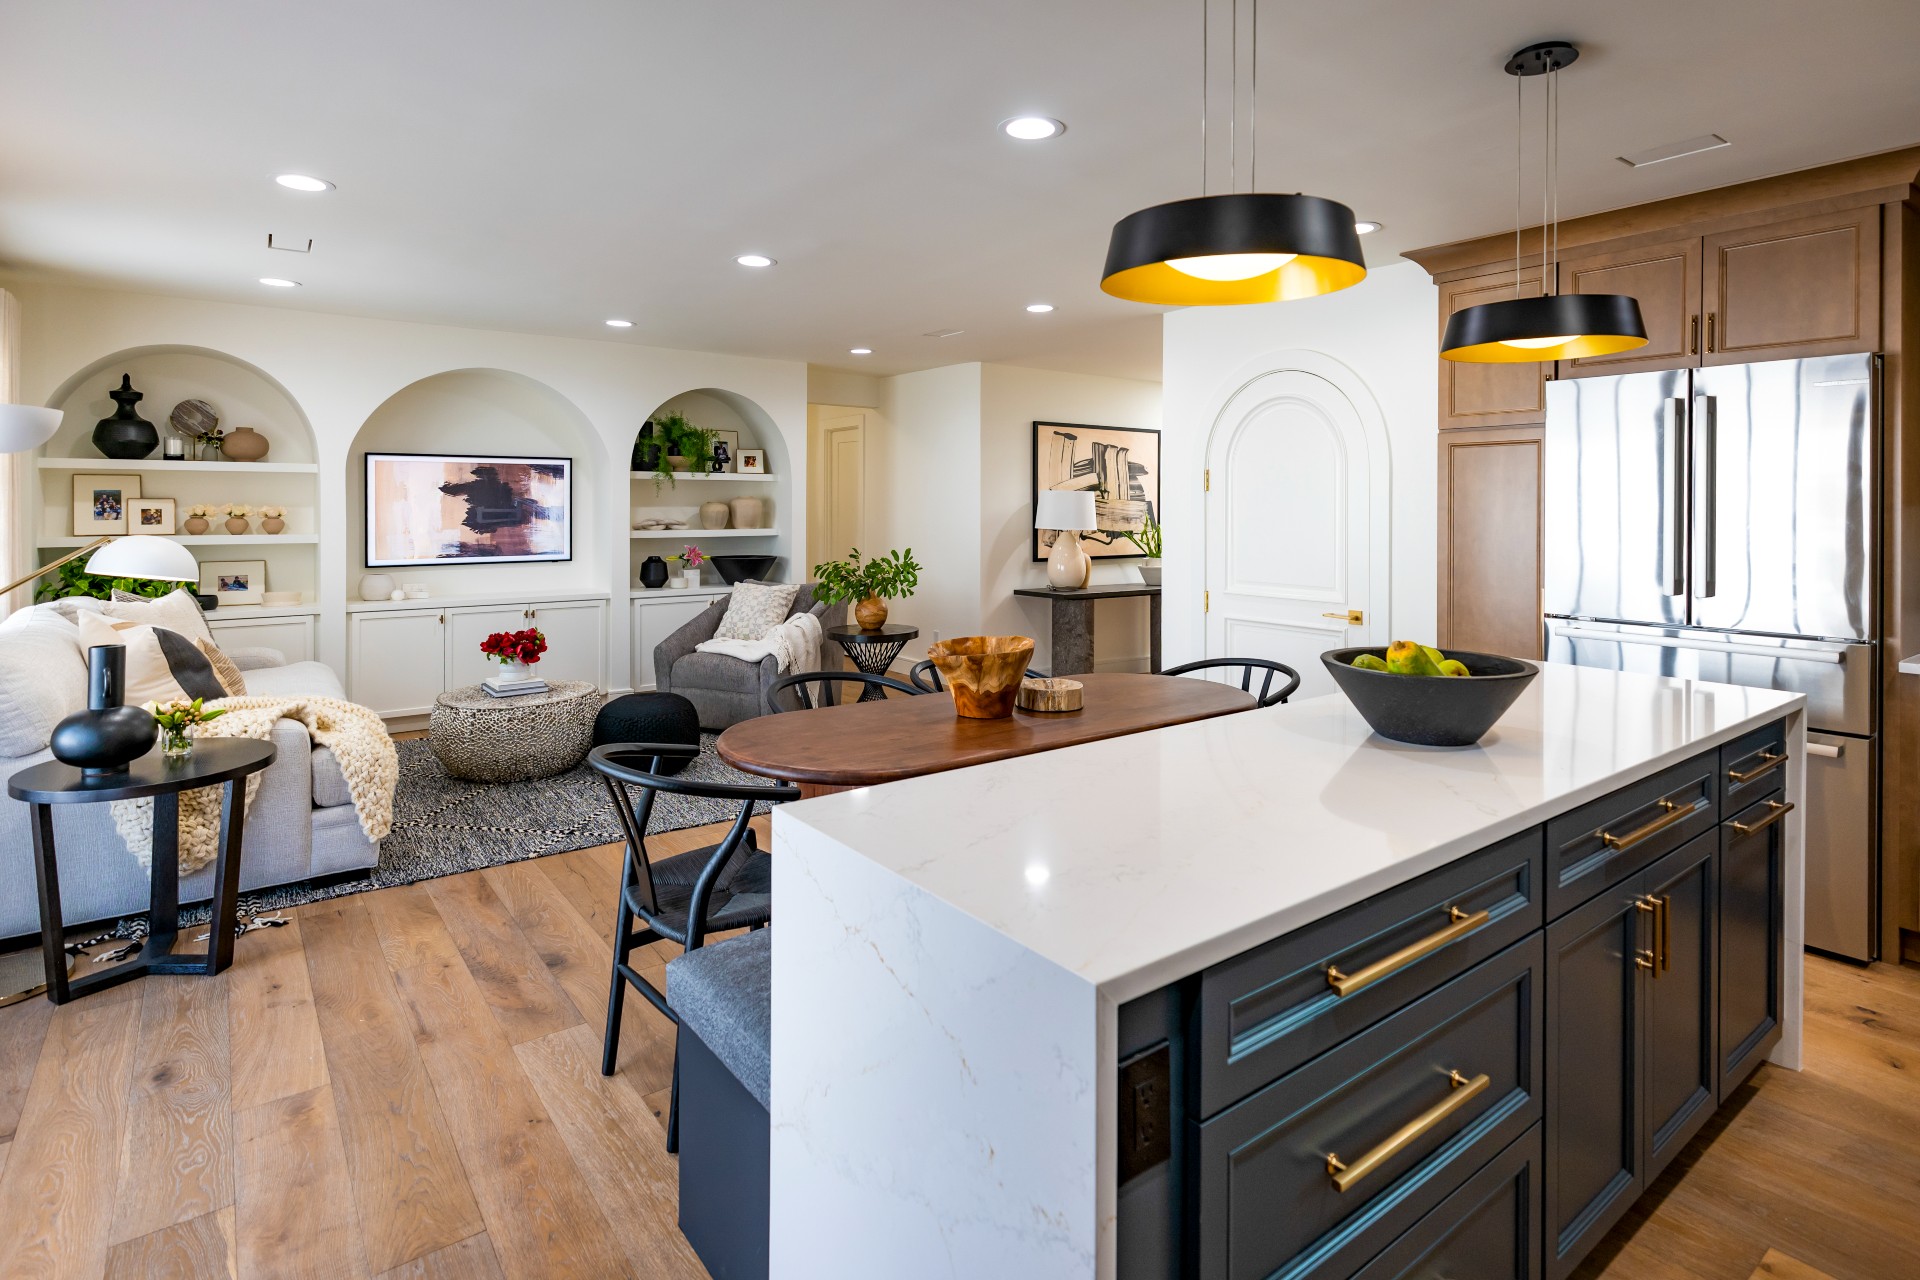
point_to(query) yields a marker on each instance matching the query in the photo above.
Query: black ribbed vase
(106, 737)
(126, 435)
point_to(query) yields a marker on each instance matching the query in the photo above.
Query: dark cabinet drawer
(1604, 841)
(1753, 766)
(1271, 1009)
(1401, 1115)
(1487, 1230)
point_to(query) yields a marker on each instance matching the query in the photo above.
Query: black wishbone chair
(1248, 666)
(829, 682)
(684, 897)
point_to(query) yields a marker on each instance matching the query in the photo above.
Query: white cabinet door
(576, 641)
(396, 662)
(293, 637)
(466, 628)
(654, 619)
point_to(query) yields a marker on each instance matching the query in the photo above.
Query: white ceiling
(542, 167)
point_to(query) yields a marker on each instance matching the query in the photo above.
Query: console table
(1072, 621)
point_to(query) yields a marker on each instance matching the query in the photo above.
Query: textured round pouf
(649, 717)
(535, 735)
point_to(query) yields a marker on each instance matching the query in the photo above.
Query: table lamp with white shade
(1067, 511)
(26, 426)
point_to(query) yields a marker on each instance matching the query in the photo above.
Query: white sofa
(302, 823)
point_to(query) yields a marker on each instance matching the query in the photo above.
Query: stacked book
(502, 687)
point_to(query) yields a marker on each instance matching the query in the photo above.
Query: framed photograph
(100, 504)
(438, 508)
(731, 439)
(150, 515)
(234, 581)
(1122, 467)
(752, 462)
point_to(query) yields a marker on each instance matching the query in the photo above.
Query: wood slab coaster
(1055, 694)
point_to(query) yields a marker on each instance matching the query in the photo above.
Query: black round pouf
(649, 717)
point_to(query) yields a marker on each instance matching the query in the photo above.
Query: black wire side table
(221, 762)
(873, 651)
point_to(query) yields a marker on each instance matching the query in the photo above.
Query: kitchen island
(1271, 935)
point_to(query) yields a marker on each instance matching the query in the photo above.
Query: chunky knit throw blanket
(356, 735)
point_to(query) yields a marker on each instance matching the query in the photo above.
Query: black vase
(653, 573)
(646, 452)
(126, 434)
(106, 737)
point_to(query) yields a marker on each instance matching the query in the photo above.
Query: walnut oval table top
(863, 744)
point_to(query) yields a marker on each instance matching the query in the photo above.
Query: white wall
(923, 492)
(1382, 329)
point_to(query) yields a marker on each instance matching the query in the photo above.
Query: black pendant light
(1554, 326)
(1236, 248)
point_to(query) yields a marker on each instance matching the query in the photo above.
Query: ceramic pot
(126, 434)
(748, 513)
(676, 463)
(376, 586)
(713, 515)
(984, 672)
(106, 737)
(646, 451)
(516, 671)
(1150, 571)
(196, 525)
(1068, 564)
(245, 445)
(653, 573)
(870, 613)
(236, 524)
(273, 524)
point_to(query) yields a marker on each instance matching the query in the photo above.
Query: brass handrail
(1346, 984)
(1463, 1091)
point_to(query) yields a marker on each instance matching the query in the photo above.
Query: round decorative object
(245, 445)
(126, 435)
(106, 737)
(236, 525)
(984, 672)
(195, 525)
(748, 513)
(1054, 694)
(649, 717)
(376, 586)
(193, 418)
(713, 515)
(1432, 711)
(482, 738)
(273, 524)
(653, 573)
(870, 613)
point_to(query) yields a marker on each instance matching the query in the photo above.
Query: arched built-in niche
(718, 409)
(243, 395)
(486, 412)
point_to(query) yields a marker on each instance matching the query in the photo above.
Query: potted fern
(869, 585)
(683, 447)
(1148, 540)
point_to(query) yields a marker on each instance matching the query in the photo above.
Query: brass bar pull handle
(1770, 760)
(1663, 923)
(1675, 812)
(1463, 1091)
(1711, 317)
(1649, 904)
(1693, 339)
(1462, 924)
(1776, 810)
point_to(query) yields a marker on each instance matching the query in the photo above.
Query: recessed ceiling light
(301, 182)
(861, 351)
(754, 260)
(1032, 128)
(619, 324)
(277, 283)
(1039, 308)
(1366, 228)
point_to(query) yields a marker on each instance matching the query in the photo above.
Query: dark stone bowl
(740, 568)
(1432, 711)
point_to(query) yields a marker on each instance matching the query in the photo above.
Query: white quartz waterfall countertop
(1136, 861)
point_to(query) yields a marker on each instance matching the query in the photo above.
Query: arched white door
(1297, 526)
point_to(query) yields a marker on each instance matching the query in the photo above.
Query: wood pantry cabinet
(1490, 540)
(400, 660)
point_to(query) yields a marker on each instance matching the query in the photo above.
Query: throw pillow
(176, 611)
(756, 608)
(43, 680)
(162, 665)
(223, 669)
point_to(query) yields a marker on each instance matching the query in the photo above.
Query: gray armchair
(726, 690)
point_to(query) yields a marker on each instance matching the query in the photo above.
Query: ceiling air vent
(290, 244)
(1674, 150)
(942, 333)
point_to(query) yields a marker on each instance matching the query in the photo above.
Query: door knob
(1352, 617)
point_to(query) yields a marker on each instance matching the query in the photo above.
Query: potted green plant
(72, 579)
(1148, 540)
(869, 585)
(683, 447)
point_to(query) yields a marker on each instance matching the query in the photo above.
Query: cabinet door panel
(1490, 548)
(1682, 1082)
(1487, 395)
(576, 641)
(466, 628)
(398, 661)
(291, 636)
(1803, 287)
(1752, 905)
(1665, 279)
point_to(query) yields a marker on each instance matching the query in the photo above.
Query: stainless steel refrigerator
(1723, 524)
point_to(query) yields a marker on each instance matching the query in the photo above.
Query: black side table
(873, 651)
(223, 762)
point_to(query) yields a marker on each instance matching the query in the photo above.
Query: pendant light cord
(1519, 164)
(1206, 83)
(1233, 100)
(1553, 91)
(1253, 102)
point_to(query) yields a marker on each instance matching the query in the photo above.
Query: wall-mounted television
(447, 508)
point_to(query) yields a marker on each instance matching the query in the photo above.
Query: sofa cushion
(723, 993)
(296, 679)
(329, 784)
(223, 669)
(176, 611)
(43, 679)
(161, 665)
(755, 608)
(711, 671)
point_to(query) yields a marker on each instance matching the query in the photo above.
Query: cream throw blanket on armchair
(359, 741)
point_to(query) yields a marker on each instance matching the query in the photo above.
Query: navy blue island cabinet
(1475, 1073)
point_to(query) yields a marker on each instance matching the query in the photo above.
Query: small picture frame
(234, 581)
(731, 439)
(100, 504)
(151, 516)
(752, 462)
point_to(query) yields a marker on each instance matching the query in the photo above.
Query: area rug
(443, 826)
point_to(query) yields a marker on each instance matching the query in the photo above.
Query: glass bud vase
(175, 744)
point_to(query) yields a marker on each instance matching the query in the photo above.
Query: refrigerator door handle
(1706, 512)
(1830, 657)
(1676, 514)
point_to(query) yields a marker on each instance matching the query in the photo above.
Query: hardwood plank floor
(411, 1080)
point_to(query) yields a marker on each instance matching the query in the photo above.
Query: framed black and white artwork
(1121, 465)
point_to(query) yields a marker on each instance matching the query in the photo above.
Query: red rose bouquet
(515, 646)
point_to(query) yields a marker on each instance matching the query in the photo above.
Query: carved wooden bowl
(983, 672)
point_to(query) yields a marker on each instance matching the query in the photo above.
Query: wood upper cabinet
(1665, 278)
(1786, 290)
(1490, 548)
(1488, 395)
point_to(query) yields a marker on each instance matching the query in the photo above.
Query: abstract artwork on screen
(1121, 465)
(451, 509)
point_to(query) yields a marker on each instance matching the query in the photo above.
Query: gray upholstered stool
(722, 994)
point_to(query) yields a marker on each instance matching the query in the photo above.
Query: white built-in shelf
(203, 539)
(701, 535)
(248, 612)
(114, 466)
(466, 601)
(670, 593)
(728, 477)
